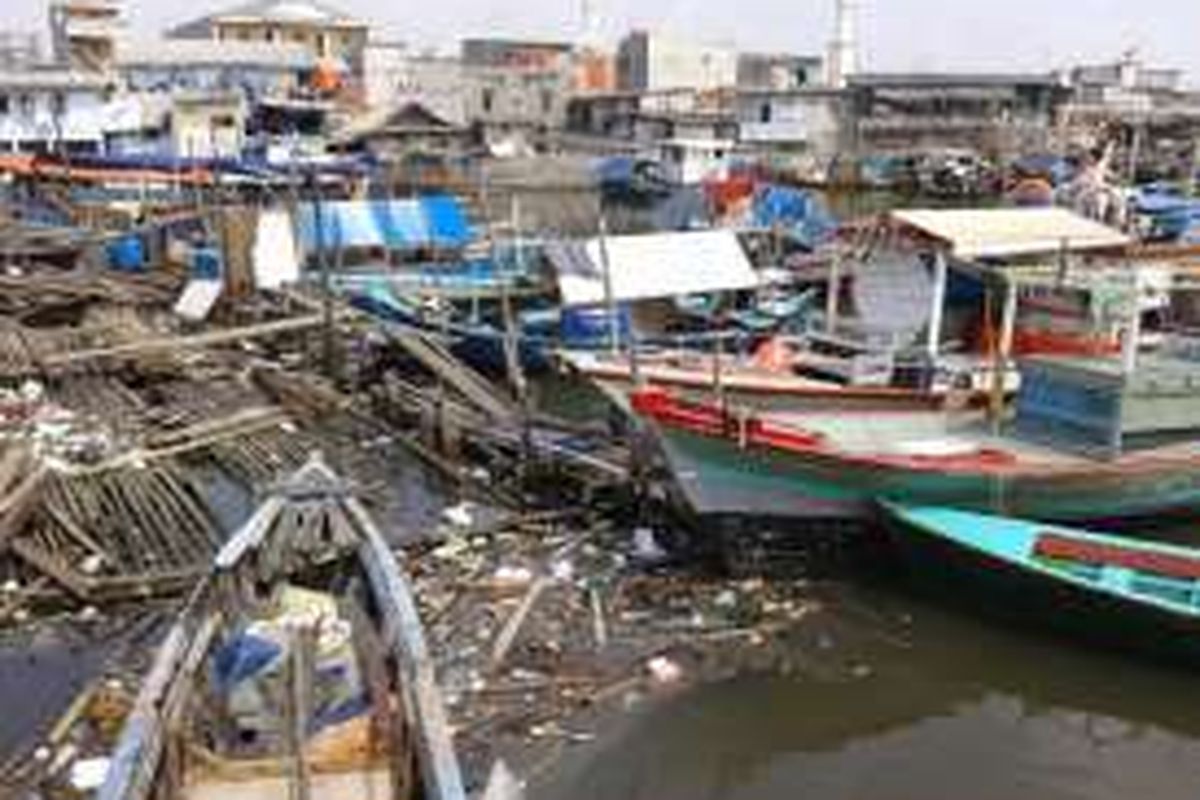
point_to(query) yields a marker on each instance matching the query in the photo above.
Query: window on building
(3, 104)
(25, 105)
(764, 113)
(488, 100)
(58, 104)
(547, 101)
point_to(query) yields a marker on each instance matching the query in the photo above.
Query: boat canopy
(650, 266)
(1011, 232)
(434, 221)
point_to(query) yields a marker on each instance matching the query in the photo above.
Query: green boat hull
(716, 475)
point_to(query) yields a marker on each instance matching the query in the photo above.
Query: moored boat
(1121, 592)
(298, 668)
(733, 460)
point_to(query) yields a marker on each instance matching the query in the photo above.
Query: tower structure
(842, 60)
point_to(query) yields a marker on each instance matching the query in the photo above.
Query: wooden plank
(512, 626)
(181, 343)
(51, 566)
(16, 507)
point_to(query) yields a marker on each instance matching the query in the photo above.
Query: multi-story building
(650, 62)
(999, 114)
(254, 69)
(496, 85)
(1147, 114)
(84, 33)
(53, 110)
(327, 33)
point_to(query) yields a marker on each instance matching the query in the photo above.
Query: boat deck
(345, 786)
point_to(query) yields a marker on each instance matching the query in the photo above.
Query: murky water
(887, 698)
(39, 676)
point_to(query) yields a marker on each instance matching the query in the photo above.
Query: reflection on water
(885, 698)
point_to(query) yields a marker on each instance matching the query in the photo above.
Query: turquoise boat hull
(993, 564)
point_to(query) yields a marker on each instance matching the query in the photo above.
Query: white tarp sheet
(276, 259)
(198, 299)
(1011, 232)
(652, 266)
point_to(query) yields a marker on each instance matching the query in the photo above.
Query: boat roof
(650, 266)
(1011, 232)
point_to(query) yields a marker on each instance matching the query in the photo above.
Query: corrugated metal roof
(651, 266)
(1011, 232)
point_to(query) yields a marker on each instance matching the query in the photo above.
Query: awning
(651, 266)
(437, 221)
(1011, 232)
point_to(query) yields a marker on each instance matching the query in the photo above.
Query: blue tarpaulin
(447, 221)
(794, 210)
(436, 221)
(127, 254)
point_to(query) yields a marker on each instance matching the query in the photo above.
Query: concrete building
(538, 56)
(207, 124)
(492, 87)
(84, 33)
(651, 62)
(327, 33)
(1126, 86)
(778, 72)
(998, 114)
(52, 110)
(255, 69)
(1147, 113)
(647, 118)
(795, 129)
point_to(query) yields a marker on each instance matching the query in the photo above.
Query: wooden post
(301, 662)
(1133, 330)
(833, 292)
(614, 328)
(1008, 323)
(937, 308)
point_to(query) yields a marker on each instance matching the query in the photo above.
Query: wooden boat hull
(1013, 593)
(718, 473)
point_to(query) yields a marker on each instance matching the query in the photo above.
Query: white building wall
(679, 64)
(39, 118)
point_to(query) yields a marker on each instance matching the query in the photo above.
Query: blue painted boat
(1116, 591)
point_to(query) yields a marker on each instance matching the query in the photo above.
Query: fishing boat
(298, 668)
(841, 461)
(1123, 592)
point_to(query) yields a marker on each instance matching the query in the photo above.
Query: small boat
(1117, 591)
(297, 668)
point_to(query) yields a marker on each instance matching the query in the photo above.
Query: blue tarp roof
(436, 221)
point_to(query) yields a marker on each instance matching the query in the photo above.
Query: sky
(968, 35)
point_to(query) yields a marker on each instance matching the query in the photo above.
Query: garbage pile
(547, 626)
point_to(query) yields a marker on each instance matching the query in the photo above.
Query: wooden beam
(182, 343)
